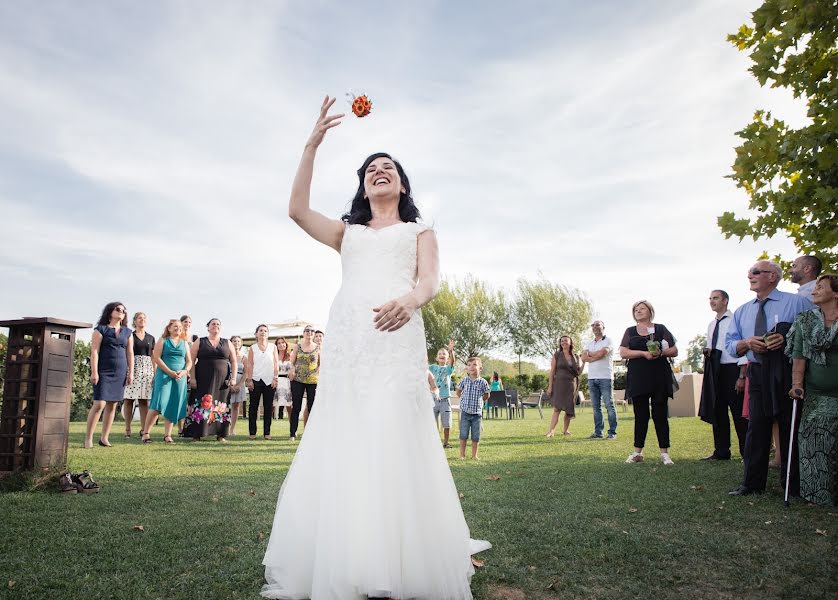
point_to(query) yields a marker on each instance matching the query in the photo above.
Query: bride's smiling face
(382, 181)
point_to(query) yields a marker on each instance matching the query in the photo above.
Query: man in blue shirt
(758, 330)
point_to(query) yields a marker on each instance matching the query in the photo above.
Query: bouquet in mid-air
(361, 105)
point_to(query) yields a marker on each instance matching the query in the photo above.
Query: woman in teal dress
(496, 384)
(813, 346)
(168, 398)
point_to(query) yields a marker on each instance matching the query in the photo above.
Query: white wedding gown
(369, 507)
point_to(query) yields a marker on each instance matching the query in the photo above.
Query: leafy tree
(468, 311)
(791, 175)
(82, 390)
(695, 357)
(541, 312)
(439, 316)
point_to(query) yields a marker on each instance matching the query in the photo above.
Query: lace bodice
(379, 265)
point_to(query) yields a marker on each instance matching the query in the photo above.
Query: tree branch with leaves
(791, 175)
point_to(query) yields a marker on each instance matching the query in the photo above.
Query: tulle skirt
(369, 506)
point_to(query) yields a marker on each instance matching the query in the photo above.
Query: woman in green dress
(813, 346)
(168, 397)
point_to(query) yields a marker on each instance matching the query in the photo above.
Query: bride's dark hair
(360, 212)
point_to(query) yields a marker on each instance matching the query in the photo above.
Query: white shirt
(806, 289)
(727, 359)
(263, 363)
(602, 368)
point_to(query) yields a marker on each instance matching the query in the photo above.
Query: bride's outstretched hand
(324, 123)
(392, 315)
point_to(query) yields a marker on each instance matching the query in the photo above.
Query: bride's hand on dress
(324, 123)
(393, 315)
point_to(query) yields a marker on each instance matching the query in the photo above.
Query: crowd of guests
(198, 383)
(774, 349)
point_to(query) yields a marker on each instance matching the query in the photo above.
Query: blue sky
(147, 150)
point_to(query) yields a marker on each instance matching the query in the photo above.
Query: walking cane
(798, 393)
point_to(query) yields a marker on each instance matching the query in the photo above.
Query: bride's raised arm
(317, 225)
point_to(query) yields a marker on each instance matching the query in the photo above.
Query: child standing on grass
(442, 371)
(473, 392)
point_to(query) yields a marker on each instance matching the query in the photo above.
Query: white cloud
(595, 154)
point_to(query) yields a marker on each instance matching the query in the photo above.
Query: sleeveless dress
(140, 389)
(283, 385)
(238, 397)
(565, 384)
(371, 515)
(169, 395)
(213, 418)
(113, 364)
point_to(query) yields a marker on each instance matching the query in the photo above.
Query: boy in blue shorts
(442, 371)
(473, 392)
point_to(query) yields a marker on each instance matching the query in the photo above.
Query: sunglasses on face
(308, 330)
(757, 271)
(119, 309)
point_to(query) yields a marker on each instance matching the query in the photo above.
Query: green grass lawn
(567, 519)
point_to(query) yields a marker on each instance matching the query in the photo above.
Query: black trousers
(297, 390)
(265, 392)
(660, 416)
(728, 399)
(758, 440)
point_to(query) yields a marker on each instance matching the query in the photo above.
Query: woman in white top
(236, 393)
(262, 375)
(282, 400)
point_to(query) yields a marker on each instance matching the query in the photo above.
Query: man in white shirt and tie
(720, 391)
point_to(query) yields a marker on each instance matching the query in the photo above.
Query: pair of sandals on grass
(81, 483)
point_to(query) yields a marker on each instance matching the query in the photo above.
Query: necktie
(761, 323)
(715, 337)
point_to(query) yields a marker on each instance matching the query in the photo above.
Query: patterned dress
(208, 414)
(141, 388)
(283, 386)
(818, 434)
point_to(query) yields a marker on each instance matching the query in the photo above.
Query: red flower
(206, 401)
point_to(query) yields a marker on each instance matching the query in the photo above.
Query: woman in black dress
(648, 347)
(214, 360)
(111, 368)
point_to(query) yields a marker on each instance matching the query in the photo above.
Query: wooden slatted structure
(37, 393)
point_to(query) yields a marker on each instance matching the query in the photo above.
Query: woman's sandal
(168, 439)
(67, 485)
(84, 482)
(146, 439)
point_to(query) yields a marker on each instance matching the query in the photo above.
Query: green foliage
(541, 312)
(619, 380)
(439, 316)
(791, 175)
(583, 385)
(82, 390)
(695, 357)
(468, 311)
(538, 381)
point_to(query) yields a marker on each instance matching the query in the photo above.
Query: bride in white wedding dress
(368, 508)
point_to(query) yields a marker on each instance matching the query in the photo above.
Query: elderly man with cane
(758, 329)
